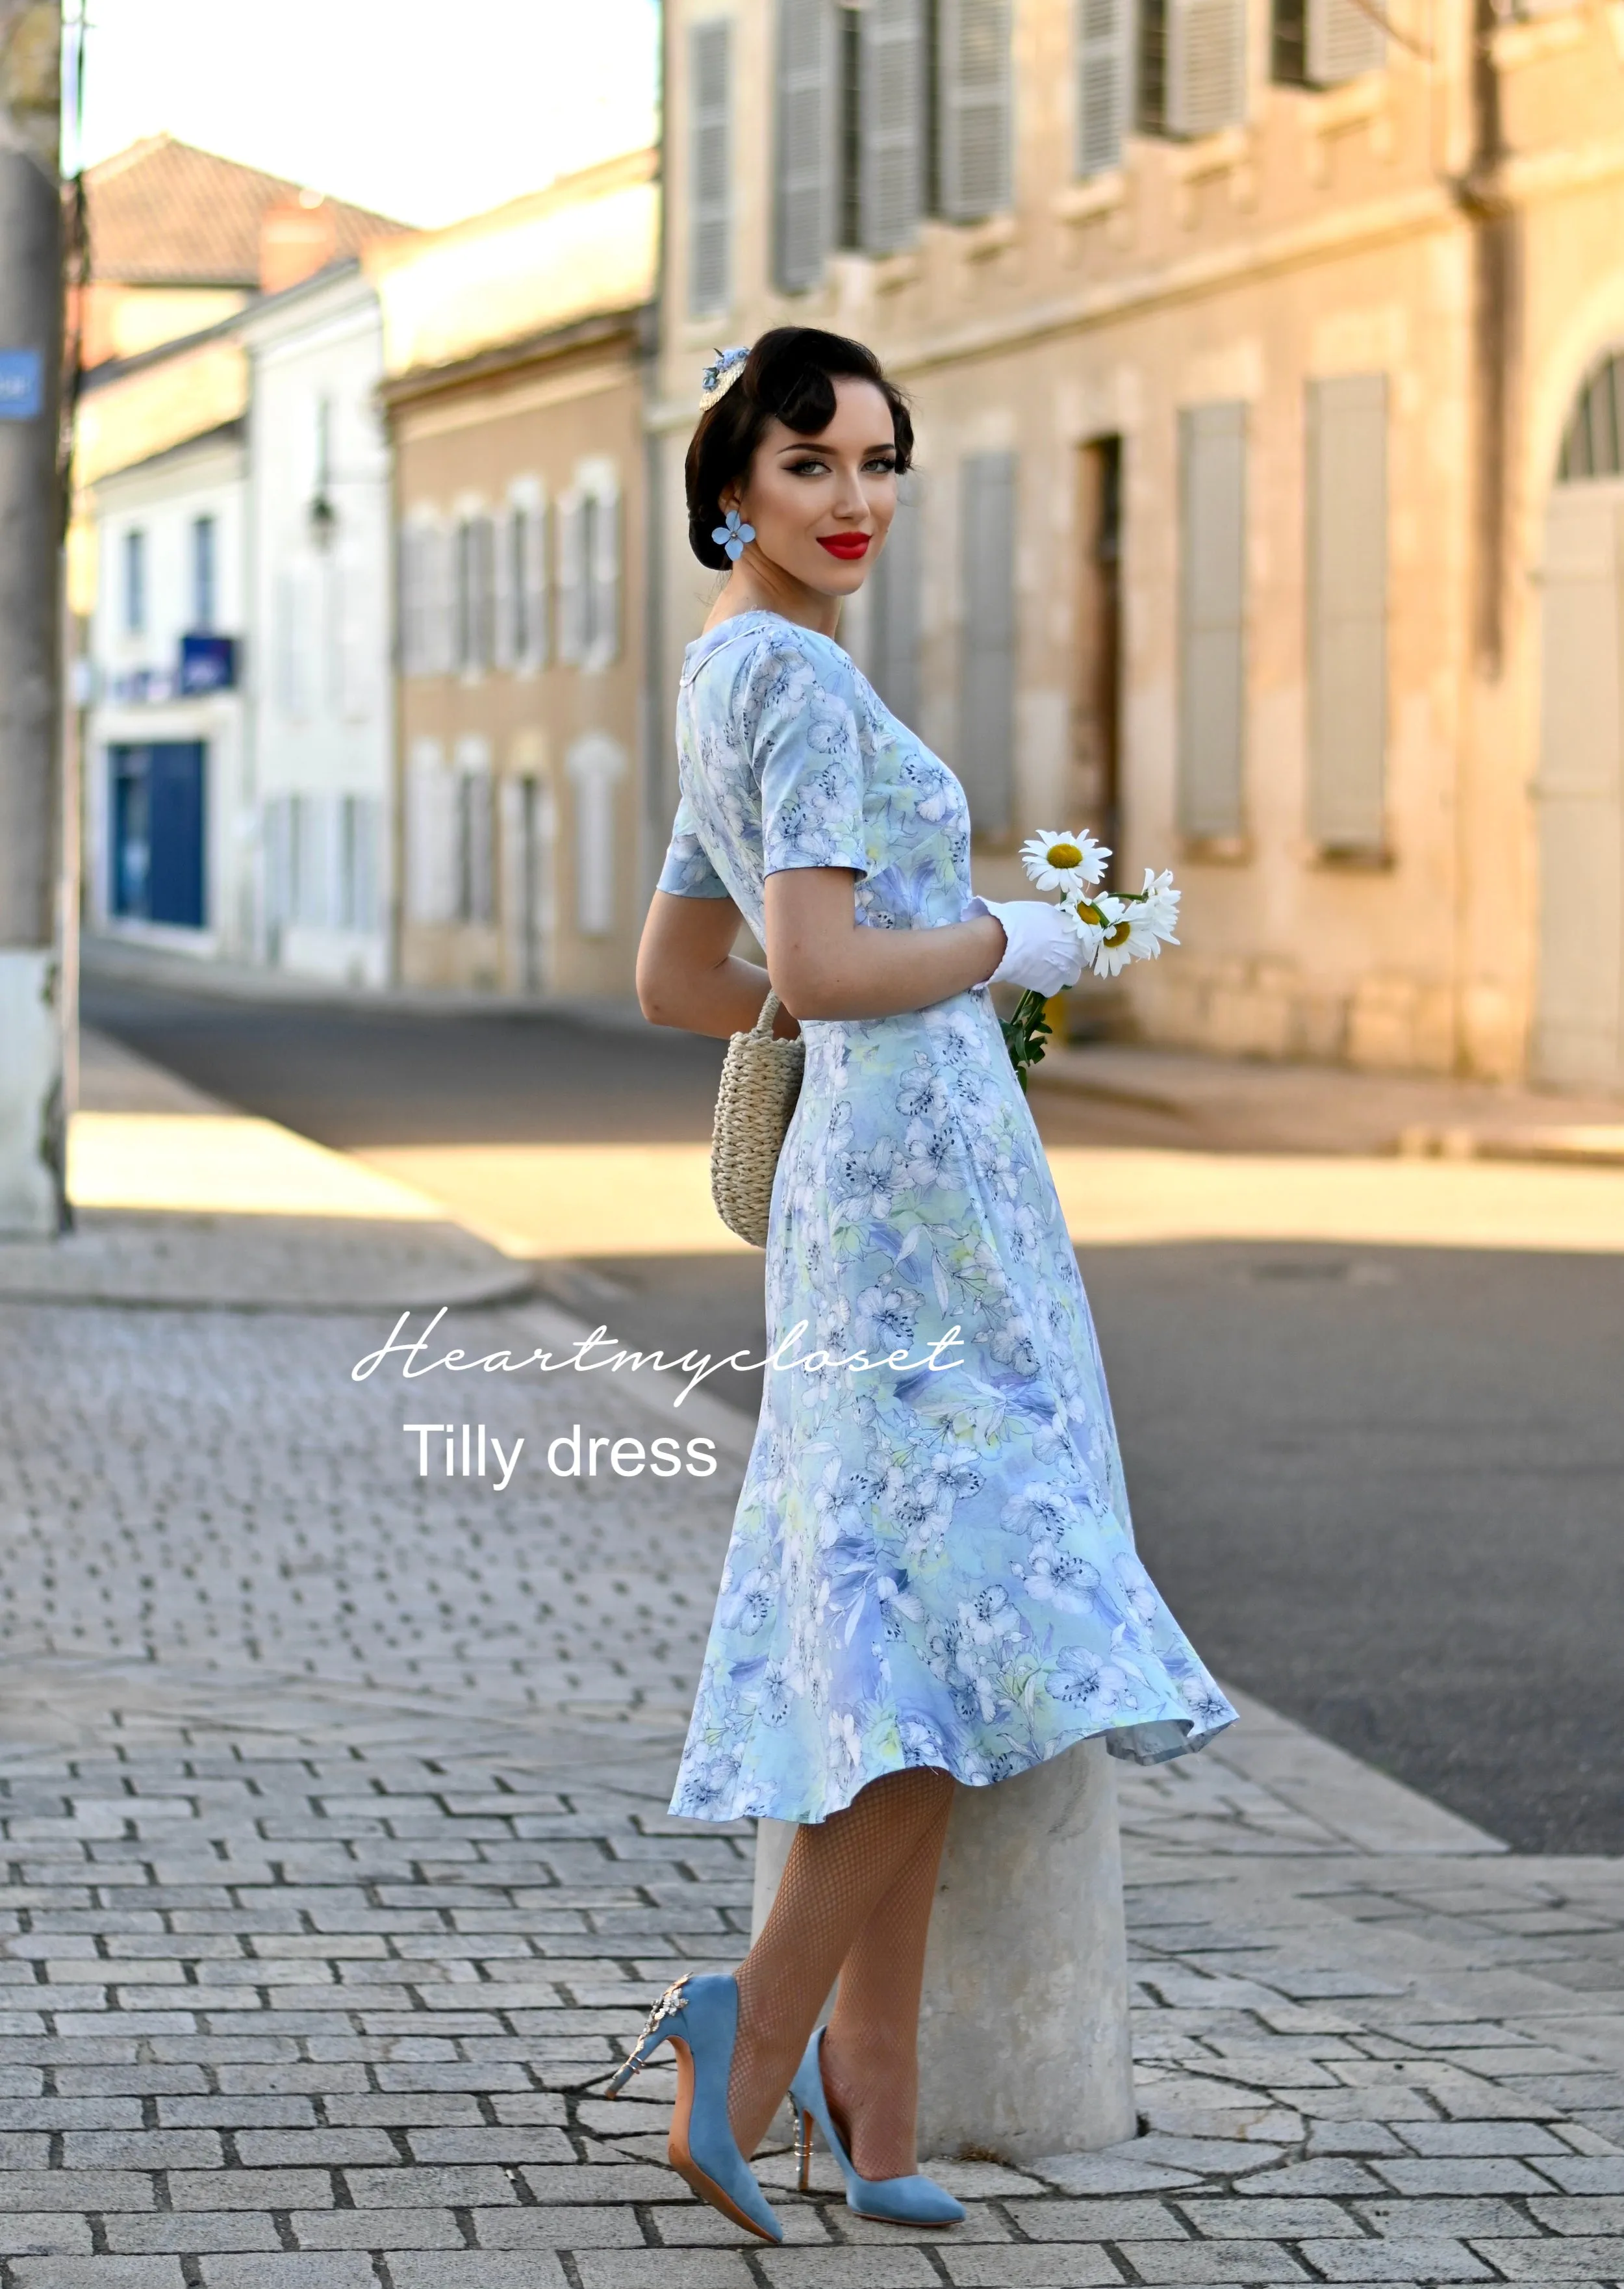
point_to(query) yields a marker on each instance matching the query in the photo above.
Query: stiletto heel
(699, 2019)
(913, 2200)
(803, 2127)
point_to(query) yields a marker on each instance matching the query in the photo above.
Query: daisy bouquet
(1113, 927)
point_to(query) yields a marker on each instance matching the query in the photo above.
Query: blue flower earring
(732, 536)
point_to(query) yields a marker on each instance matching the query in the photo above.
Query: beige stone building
(1269, 509)
(516, 346)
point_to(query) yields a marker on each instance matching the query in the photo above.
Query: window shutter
(893, 609)
(806, 152)
(603, 580)
(1579, 1022)
(710, 167)
(891, 122)
(973, 77)
(1205, 82)
(533, 577)
(1347, 611)
(507, 595)
(425, 598)
(571, 522)
(431, 834)
(1212, 628)
(986, 715)
(1343, 40)
(595, 766)
(1104, 57)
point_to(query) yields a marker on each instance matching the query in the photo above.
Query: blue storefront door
(157, 838)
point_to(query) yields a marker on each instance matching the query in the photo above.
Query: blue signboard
(22, 386)
(208, 664)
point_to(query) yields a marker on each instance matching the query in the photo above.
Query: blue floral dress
(931, 1560)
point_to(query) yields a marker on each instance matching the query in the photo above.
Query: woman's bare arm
(688, 974)
(824, 966)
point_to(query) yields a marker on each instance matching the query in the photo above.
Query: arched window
(1594, 444)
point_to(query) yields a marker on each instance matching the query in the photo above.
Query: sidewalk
(338, 1863)
(1212, 1104)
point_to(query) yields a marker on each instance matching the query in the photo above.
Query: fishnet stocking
(839, 1874)
(870, 2054)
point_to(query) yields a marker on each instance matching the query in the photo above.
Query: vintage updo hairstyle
(788, 377)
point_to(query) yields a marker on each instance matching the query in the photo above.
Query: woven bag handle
(762, 1028)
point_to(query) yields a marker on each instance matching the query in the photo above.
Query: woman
(932, 1577)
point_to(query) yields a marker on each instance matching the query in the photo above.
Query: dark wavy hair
(788, 377)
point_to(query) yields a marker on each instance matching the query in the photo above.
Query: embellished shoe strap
(670, 2003)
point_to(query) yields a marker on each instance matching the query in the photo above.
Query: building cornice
(507, 361)
(1412, 214)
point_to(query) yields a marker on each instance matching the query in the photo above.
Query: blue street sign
(22, 386)
(208, 664)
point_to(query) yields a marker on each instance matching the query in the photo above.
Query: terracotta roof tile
(164, 213)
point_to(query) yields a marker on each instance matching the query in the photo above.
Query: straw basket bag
(761, 1081)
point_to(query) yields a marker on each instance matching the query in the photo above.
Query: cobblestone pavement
(337, 1870)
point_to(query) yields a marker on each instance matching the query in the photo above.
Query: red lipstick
(848, 547)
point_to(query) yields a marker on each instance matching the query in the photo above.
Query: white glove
(1042, 951)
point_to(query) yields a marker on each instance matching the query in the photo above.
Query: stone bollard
(1024, 2030)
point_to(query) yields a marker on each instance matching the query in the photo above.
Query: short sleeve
(805, 746)
(688, 872)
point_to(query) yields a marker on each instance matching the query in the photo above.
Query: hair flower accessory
(731, 537)
(724, 368)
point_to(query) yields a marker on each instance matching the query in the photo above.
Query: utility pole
(32, 1112)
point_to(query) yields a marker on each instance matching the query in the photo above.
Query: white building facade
(167, 769)
(319, 576)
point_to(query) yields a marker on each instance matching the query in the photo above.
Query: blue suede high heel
(913, 2200)
(698, 2017)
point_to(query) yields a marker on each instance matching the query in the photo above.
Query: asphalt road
(1383, 1489)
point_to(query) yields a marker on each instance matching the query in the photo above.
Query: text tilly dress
(931, 1560)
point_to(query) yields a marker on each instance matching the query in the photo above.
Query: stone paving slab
(338, 1874)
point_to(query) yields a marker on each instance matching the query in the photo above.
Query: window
(885, 109)
(358, 820)
(473, 616)
(1212, 619)
(987, 645)
(433, 865)
(135, 582)
(1594, 443)
(589, 568)
(425, 595)
(1347, 612)
(710, 168)
(475, 832)
(521, 590)
(204, 599)
(1321, 42)
(1192, 65)
(1105, 59)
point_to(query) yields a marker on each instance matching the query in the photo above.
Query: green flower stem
(1025, 1032)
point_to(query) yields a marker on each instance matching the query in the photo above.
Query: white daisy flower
(1055, 860)
(1161, 907)
(1092, 919)
(1142, 927)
